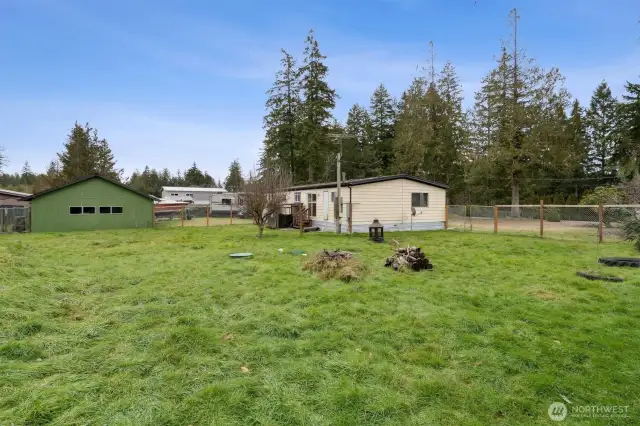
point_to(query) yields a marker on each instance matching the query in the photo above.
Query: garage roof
(82, 179)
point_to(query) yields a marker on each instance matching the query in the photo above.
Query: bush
(552, 214)
(604, 195)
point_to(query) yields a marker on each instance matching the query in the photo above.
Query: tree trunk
(515, 199)
(260, 230)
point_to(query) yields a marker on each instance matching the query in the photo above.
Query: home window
(174, 195)
(116, 210)
(88, 210)
(419, 199)
(75, 210)
(188, 195)
(311, 199)
(296, 197)
(105, 210)
(226, 201)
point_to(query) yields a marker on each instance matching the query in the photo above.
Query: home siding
(50, 212)
(319, 218)
(388, 201)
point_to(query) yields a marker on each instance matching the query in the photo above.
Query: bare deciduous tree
(264, 193)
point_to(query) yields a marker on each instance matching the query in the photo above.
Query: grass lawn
(161, 327)
(201, 221)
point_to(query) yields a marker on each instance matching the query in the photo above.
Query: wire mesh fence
(15, 219)
(197, 215)
(568, 222)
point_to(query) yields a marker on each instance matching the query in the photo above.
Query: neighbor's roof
(192, 189)
(82, 179)
(13, 193)
(364, 181)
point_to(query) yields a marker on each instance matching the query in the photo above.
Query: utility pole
(338, 137)
(337, 200)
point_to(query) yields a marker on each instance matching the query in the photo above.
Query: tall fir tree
(85, 153)
(234, 180)
(602, 120)
(27, 176)
(382, 113)
(319, 100)
(412, 131)
(359, 160)
(628, 150)
(194, 176)
(282, 121)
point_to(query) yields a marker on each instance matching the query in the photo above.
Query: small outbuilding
(398, 202)
(90, 203)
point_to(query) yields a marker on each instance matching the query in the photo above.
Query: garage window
(88, 210)
(75, 210)
(116, 210)
(105, 210)
(419, 199)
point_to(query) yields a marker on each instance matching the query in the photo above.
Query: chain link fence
(197, 215)
(15, 219)
(566, 222)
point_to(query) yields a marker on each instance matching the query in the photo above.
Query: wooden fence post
(182, 217)
(230, 213)
(446, 216)
(208, 213)
(541, 218)
(600, 222)
(495, 219)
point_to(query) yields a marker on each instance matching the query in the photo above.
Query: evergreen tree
(412, 133)
(628, 151)
(517, 112)
(234, 180)
(319, 100)
(359, 160)
(602, 121)
(194, 176)
(27, 177)
(85, 154)
(382, 115)
(281, 144)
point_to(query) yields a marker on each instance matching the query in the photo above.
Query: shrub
(631, 230)
(552, 214)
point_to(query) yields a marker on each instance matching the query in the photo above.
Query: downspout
(350, 210)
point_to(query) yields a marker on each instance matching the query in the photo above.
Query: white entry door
(326, 205)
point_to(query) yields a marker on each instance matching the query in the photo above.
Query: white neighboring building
(197, 196)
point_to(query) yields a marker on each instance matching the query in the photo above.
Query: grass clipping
(336, 264)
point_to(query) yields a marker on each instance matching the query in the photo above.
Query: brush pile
(335, 264)
(408, 258)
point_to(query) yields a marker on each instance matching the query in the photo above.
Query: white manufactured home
(399, 202)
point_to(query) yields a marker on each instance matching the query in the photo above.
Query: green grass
(155, 327)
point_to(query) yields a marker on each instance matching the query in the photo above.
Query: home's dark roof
(364, 181)
(82, 179)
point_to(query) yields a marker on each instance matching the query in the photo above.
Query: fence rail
(600, 223)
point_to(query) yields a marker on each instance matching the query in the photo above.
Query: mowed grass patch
(149, 327)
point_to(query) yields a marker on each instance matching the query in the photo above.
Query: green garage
(89, 203)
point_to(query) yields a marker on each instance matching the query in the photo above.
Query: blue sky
(169, 82)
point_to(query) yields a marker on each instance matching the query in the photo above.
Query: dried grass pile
(408, 258)
(336, 264)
